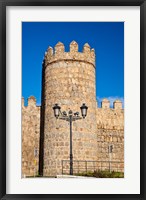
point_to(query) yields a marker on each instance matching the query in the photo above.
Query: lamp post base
(71, 164)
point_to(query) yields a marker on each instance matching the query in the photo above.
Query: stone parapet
(110, 119)
(87, 56)
(105, 104)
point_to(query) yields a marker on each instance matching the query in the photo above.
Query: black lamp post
(70, 117)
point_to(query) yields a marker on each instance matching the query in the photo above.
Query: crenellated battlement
(59, 54)
(31, 102)
(110, 118)
(117, 104)
(105, 104)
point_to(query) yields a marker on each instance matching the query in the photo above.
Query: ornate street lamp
(56, 109)
(84, 110)
(70, 117)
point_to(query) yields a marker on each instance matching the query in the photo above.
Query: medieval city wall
(30, 137)
(68, 79)
(110, 131)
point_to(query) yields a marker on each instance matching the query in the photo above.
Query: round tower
(69, 81)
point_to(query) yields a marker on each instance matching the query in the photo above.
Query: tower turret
(69, 81)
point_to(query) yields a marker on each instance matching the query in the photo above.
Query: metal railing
(84, 166)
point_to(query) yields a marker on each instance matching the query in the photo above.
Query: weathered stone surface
(30, 137)
(69, 80)
(69, 91)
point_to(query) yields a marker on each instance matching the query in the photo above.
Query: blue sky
(107, 38)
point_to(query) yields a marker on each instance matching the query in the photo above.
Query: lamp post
(70, 117)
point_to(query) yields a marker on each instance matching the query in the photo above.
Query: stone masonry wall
(30, 137)
(110, 131)
(70, 82)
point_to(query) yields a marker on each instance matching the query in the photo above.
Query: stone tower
(69, 80)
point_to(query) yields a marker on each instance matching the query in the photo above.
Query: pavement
(72, 176)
